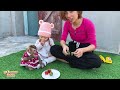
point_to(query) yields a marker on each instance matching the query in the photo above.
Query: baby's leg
(47, 60)
(50, 59)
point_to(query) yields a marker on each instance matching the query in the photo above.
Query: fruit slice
(49, 70)
(46, 73)
(51, 73)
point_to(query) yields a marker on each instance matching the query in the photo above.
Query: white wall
(11, 23)
(5, 23)
(19, 23)
(107, 25)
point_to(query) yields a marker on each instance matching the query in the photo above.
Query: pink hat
(45, 28)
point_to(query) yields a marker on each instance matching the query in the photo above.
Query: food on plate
(49, 72)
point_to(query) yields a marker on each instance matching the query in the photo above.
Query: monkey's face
(32, 51)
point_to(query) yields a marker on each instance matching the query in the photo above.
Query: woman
(82, 31)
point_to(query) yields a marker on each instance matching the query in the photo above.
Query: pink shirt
(85, 33)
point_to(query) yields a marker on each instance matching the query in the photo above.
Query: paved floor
(14, 44)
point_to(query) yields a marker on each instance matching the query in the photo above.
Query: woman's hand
(65, 50)
(79, 52)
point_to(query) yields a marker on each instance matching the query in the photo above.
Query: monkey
(30, 58)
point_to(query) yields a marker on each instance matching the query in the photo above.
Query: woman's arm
(64, 37)
(79, 52)
(90, 48)
(65, 47)
(62, 43)
(91, 34)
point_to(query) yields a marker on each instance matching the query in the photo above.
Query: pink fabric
(83, 34)
(31, 63)
(44, 34)
(45, 28)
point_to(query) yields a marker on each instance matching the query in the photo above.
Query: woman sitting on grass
(82, 31)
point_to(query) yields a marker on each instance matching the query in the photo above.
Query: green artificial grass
(106, 71)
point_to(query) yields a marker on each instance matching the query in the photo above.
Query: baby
(45, 42)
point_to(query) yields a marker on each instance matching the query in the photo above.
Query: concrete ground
(13, 44)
